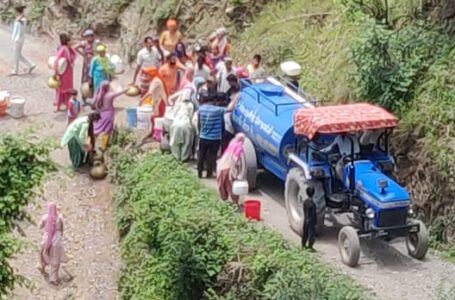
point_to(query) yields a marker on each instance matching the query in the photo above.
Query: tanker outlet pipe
(295, 159)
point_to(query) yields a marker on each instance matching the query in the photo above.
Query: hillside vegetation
(397, 54)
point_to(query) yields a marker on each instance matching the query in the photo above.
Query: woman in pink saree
(52, 252)
(227, 167)
(66, 78)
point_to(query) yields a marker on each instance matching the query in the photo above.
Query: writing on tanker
(248, 119)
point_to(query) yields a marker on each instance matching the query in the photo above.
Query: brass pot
(133, 91)
(53, 83)
(86, 90)
(98, 170)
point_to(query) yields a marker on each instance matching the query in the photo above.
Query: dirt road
(384, 268)
(91, 238)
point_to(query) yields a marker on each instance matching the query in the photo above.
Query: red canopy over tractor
(342, 118)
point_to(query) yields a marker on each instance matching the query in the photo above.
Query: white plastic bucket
(240, 187)
(159, 122)
(17, 105)
(144, 113)
(4, 96)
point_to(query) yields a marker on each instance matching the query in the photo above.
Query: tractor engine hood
(378, 189)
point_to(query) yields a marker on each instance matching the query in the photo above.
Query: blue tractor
(290, 137)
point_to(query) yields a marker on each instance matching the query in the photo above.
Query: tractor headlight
(370, 213)
(410, 211)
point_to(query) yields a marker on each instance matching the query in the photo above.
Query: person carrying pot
(80, 139)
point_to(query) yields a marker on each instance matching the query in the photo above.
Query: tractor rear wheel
(295, 195)
(349, 246)
(417, 243)
(248, 164)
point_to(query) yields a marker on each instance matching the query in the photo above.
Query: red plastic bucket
(252, 209)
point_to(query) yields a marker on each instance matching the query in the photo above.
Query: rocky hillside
(129, 21)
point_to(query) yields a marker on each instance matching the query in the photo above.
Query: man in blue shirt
(210, 125)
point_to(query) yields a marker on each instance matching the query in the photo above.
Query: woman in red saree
(66, 78)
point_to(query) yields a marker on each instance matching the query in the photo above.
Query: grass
(311, 32)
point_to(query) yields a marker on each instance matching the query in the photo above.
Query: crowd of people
(199, 82)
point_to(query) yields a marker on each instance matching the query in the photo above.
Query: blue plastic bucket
(131, 117)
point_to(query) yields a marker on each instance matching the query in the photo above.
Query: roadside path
(90, 236)
(384, 268)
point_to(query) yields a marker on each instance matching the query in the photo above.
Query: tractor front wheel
(349, 246)
(417, 242)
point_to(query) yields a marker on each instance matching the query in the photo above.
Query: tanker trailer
(265, 114)
(288, 137)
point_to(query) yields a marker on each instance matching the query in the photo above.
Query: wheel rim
(243, 168)
(297, 199)
(413, 241)
(345, 247)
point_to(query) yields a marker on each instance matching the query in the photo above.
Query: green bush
(390, 64)
(432, 114)
(165, 10)
(179, 241)
(23, 165)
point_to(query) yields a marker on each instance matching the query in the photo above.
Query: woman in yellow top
(171, 37)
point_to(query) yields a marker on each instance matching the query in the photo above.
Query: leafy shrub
(433, 112)
(23, 165)
(37, 9)
(390, 63)
(179, 241)
(165, 10)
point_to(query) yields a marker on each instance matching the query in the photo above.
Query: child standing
(74, 107)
